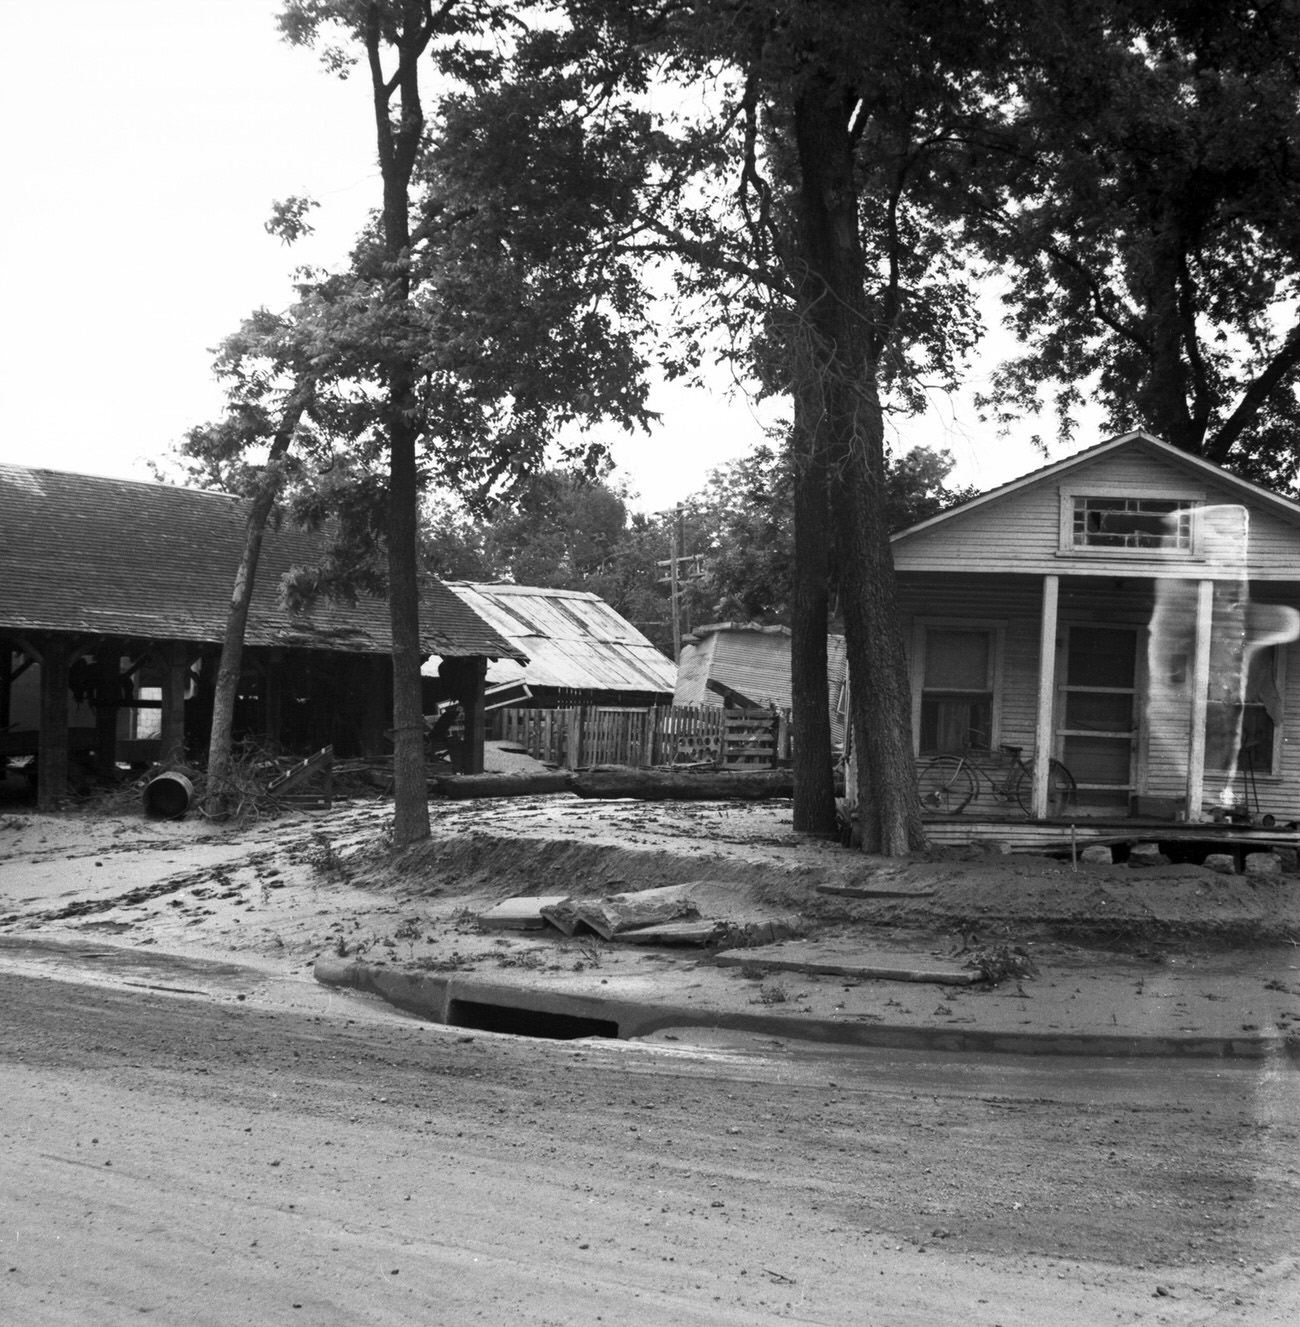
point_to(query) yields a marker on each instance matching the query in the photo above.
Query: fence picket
(587, 735)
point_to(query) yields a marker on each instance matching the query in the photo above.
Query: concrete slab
(523, 913)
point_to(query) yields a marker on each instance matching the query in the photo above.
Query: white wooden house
(1132, 612)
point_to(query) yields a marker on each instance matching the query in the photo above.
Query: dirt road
(189, 1161)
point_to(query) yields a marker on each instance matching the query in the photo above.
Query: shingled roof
(120, 558)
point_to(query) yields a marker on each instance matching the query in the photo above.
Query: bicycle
(949, 783)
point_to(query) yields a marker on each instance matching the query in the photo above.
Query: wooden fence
(587, 735)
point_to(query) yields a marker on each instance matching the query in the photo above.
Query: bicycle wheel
(1061, 791)
(946, 784)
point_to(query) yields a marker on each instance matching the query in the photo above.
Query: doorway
(1097, 714)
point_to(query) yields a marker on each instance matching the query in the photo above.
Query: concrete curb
(452, 999)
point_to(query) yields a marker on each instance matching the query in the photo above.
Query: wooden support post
(1046, 694)
(52, 760)
(274, 698)
(473, 679)
(108, 697)
(1200, 690)
(175, 673)
(6, 685)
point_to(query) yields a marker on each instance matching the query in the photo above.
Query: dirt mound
(532, 849)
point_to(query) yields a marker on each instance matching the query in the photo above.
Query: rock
(1098, 852)
(1221, 862)
(1289, 858)
(1146, 854)
(1263, 863)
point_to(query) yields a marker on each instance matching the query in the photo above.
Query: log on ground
(499, 785)
(656, 785)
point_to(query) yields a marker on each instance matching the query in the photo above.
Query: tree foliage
(1148, 213)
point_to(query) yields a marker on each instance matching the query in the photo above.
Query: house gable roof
(121, 558)
(573, 640)
(1108, 466)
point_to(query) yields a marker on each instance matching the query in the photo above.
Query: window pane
(956, 660)
(1098, 712)
(1101, 658)
(1132, 523)
(951, 723)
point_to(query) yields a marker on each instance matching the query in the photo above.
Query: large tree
(1149, 223)
(480, 312)
(810, 192)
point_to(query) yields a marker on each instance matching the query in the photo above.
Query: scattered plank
(322, 764)
(891, 971)
(868, 891)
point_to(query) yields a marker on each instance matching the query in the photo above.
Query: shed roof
(116, 557)
(572, 640)
(749, 659)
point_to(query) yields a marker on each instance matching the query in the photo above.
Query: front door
(1097, 713)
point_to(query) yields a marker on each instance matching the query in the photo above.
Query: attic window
(1143, 524)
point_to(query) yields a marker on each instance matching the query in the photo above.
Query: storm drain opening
(527, 1022)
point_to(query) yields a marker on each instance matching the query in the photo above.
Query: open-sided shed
(114, 594)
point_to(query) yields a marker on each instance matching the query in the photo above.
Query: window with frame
(1241, 733)
(1150, 524)
(956, 689)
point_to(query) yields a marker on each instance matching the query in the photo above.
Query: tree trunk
(832, 304)
(399, 143)
(220, 790)
(814, 792)
(410, 793)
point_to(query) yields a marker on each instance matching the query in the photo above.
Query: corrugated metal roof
(113, 557)
(571, 638)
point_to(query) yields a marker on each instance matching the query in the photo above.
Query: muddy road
(181, 1160)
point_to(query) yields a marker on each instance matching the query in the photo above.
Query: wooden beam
(1197, 701)
(108, 695)
(1046, 695)
(273, 676)
(52, 760)
(175, 674)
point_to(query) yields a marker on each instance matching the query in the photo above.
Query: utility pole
(674, 578)
(676, 552)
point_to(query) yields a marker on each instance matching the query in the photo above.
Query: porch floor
(1057, 836)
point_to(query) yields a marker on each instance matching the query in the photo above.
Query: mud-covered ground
(641, 1179)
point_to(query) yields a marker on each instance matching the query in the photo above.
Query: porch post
(1046, 693)
(52, 761)
(175, 670)
(108, 697)
(1200, 683)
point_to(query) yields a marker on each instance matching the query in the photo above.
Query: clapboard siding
(1019, 529)
(1014, 603)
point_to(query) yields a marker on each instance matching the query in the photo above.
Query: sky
(143, 144)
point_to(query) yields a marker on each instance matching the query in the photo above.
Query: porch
(1181, 841)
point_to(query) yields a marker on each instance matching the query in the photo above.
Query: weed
(324, 858)
(995, 963)
(529, 959)
(409, 931)
(772, 992)
(589, 947)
